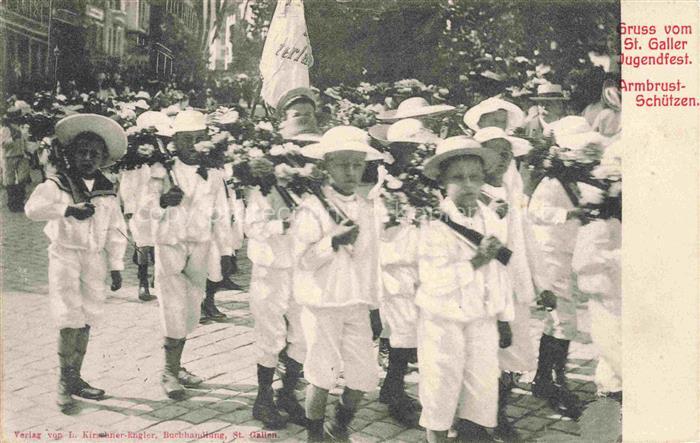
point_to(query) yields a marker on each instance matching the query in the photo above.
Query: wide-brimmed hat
(409, 130)
(516, 116)
(153, 119)
(549, 91)
(294, 95)
(141, 104)
(342, 138)
(414, 107)
(519, 146)
(189, 121)
(144, 95)
(106, 128)
(454, 147)
(573, 132)
(571, 124)
(303, 130)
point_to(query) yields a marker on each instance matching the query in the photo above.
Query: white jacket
(398, 260)
(327, 278)
(201, 216)
(104, 230)
(268, 244)
(132, 184)
(450, 287)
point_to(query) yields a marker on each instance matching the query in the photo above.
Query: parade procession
(439, 257)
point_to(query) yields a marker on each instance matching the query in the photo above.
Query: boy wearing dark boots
(335, 279)
(86, 228)
(276, 313)
(188, 204)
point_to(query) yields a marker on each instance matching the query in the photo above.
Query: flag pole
(256, 96)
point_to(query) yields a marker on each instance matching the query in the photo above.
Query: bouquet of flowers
(142, 150)
(409, 196)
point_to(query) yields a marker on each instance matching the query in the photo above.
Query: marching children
(191, 213)
(464, 296)
(13, 143)
(87, 232)
(503, 192)
(335, 279)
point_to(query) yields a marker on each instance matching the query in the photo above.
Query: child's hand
(505, 335)
(81, 211)
(547, 300)
(501, 208)
(116, 280)
(171, 198)
(346, 238)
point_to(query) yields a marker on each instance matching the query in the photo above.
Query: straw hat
(141, 104)
(571, 124)
(454, 147)
(516, 116)
(548, 92)
(154, 119)
(574, 132)
(189, 121)
(109, 130)
(414, 107)
(409, 130)
(518, 146)
(144, 95)
(342, 138)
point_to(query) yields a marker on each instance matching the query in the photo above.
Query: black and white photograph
(318, 220)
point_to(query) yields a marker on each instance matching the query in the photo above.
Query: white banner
(286, 57)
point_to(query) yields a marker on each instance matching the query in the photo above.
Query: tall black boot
(19, 198)
(169, 380)
(79, 386)
(543, 384)
(67, 345)
(286, 397)
(567, 402)
(505, 429)
(264, 408)
(314, 430)
(468, 431)
(209, 309)
(337, 430)
(11, 197)
(144, 286)
(402, 408)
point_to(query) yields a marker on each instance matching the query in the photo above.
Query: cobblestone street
(125, 359)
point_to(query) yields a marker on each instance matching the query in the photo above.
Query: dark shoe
(82, 389)
(228, 285)
(208, 304)
(314, 430)
(567, 403)
(265, 410)
(468, 431)
(188, 379)
(169, 380)
(145, 292)
(67, 350)
(338, 430)
(286, 397)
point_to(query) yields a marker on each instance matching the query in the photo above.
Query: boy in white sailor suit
(335, 279)
(464, 296)
(87, 233)
(276, 313)
(191, 212)
(555, 220)
(503, 192)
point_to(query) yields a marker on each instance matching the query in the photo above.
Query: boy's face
(554, 110)
(505, 155)
(184, 145)
(497, 118)
(87, 157)
(346, 169)
(462, 179)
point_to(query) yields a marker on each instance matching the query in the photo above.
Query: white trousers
(277, 316)
(181, 274)
(520, 356)
(606, 332)
(339, 337)
(458, 367)
(400, 316)
(76, 286)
